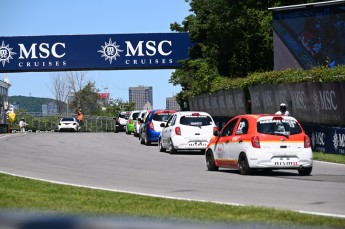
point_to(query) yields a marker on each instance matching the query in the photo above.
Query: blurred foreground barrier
(48, 221)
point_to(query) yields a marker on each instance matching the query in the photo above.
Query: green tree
(87, 99)
(114, 107)
(231, 39)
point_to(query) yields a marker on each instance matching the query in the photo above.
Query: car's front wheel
(211, 165)
(244, 165)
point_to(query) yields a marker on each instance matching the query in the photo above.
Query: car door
(223, 147)
(238, 140)
(167, 130)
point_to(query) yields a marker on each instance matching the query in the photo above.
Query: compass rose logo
(110, 51)
(335, 140)
(5, 53)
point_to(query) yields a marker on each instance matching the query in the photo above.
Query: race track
(119, 162)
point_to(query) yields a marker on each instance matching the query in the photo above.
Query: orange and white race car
(260, 141)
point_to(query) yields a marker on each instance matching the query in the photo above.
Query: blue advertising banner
(326, 139)
(93, 52)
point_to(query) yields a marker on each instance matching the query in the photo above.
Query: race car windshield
(278, 127)
(195, 120)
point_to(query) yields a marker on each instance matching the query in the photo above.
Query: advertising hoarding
(93, 52)
(309, 35)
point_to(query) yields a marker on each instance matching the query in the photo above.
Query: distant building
(49, 109)
(171, 103)
(141, 96)
(4, 85)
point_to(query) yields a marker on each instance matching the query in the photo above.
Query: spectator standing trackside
(282, 110)
(22, 125)
(80, 117)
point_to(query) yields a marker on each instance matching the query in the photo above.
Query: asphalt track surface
(118, 162)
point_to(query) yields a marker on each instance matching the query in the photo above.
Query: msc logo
(325, 100)
(5, 54)
(44, 51)
(338, 140)
(110, 51)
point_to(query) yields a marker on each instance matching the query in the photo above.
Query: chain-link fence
(42, 122)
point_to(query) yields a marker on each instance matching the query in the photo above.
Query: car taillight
(306, 142)
(177, 130)
(215, 129)
(131, 121)
(256, 142)
(151, 126)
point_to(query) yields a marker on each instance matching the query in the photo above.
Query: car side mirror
(216, 133)
(163, 124)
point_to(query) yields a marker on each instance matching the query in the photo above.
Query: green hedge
(318, 74)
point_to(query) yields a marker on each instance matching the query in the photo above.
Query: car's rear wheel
(211, 165)
(305, 171)
(171, 149)
(244, 165)
(142, 141)
(161, 148)
(147, 142)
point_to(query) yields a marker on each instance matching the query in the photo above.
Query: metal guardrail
(42, 122)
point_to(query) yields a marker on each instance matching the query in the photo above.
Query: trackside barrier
(326, 139)
(4, 128)
(10, 220)
(320, 105)
(37, 122)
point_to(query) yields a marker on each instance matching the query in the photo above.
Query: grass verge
(31, 195)
(335, 158)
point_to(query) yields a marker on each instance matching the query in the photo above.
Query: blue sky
(69, 17)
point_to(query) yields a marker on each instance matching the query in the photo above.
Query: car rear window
(125, 116)
(190, 120)
(278, 127)
(67, 119)
(135, 115)
(161, 117)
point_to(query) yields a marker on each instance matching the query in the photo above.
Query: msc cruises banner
(93, 52)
